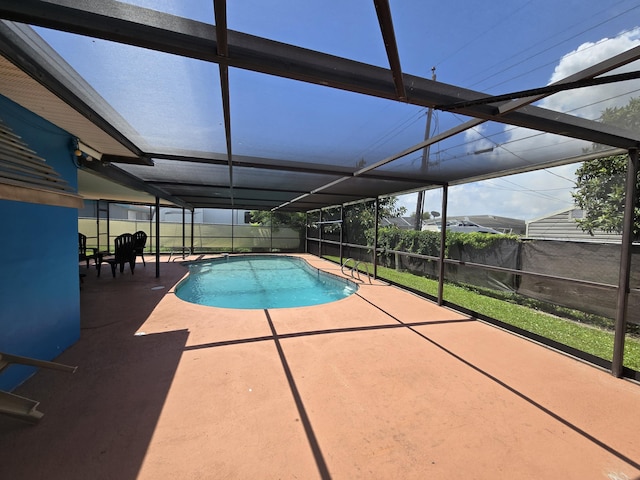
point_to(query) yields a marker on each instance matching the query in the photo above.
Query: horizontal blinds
(26, 177)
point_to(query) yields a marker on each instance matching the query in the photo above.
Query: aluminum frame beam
(222, 47)
(117, 175)
(150, 29)
(624, 278)
(388, 35)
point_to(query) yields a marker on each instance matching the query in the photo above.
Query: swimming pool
(261, 281)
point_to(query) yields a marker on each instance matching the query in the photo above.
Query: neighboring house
(403, 223)
(563, 225)
(479, 223)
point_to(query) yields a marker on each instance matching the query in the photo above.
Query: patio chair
(124, 253)
(140, 241)
(82, 249)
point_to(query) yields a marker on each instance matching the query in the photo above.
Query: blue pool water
(261, 281)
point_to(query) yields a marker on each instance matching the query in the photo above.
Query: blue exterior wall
(39, 282)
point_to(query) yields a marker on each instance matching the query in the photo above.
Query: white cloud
(533, 194)
(587, 102)
(475, 139)
(524, 196)
(581, 101)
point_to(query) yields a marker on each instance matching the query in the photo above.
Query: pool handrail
(355, 269)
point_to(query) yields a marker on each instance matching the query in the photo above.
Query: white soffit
(25, 91)
(95, 187)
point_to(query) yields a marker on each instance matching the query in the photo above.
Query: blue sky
(495, 47)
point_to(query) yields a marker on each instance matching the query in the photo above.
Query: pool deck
(380, 385)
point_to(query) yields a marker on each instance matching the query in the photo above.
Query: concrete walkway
(381, 385)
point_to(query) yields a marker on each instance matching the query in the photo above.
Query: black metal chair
(82, 249)
(140, 241)
(124, 253)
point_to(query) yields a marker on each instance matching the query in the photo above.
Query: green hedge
(427, 242)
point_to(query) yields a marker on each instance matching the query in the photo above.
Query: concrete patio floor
(381, 385)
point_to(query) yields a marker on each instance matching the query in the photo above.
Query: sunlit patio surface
(381, 385)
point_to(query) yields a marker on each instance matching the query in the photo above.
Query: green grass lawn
(587, 338)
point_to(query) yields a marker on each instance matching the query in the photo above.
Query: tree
(425, 216)
(276, 219)
(359, 218)
(600, 183)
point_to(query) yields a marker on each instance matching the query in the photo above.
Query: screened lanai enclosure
(332, 110)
